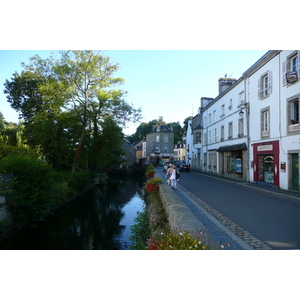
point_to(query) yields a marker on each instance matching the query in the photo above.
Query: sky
(167, 83)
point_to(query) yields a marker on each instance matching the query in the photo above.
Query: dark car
(184, 167)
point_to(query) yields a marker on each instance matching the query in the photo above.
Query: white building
(251, 130)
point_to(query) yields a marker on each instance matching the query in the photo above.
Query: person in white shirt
(173, 177)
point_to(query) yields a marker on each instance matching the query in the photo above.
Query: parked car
(184, 167)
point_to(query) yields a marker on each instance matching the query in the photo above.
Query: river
(99, 220)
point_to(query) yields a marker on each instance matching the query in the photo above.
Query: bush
(8, 151)
(79, 182)
(35, 191)
(140, 232)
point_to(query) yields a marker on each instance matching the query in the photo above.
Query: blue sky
(166, 83)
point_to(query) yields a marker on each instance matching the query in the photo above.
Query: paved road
(272, 219)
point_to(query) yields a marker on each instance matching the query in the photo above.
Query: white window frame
(294, 107)
(265, 122)
(230, 130)
(265, 85)
(215, 135)
(294, 63)
(241, 127)
(222, 133)
(293, 117)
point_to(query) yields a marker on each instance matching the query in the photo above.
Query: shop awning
(236, 147)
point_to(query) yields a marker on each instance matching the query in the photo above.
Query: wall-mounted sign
(265, 148)
(282, 166)
(291, 77)
(294, 127)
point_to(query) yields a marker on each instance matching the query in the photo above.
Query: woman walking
(168, 172)
(173, 177)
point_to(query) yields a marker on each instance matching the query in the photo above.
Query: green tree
(106, 150)
(80, 82)
(185, 122)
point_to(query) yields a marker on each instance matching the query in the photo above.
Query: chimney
(225, 83)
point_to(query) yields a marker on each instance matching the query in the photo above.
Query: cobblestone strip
(252, 241)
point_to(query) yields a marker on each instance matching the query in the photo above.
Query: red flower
(152, 245)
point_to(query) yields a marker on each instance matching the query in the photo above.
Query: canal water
(99, 220)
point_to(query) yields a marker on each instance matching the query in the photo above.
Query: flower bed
(159, 234)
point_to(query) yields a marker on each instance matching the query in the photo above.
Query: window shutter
(270, 83)
(284, 73)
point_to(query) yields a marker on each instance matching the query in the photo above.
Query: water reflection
(99, 220)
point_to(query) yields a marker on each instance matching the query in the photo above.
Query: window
(265, 85)
(241, 97)
(209, 118)
(241, 128)
(157, 139)
(293, 115)
(215, 135)
(214, 116)
(294, 63)
(209, 137)
(165, 148)
(295, 111)
(234, 164)
(291, 65)
(265, 123)
(166, 138)
(230, 104)
(222, 133)
(230, 130)
(157, 148)
(222, 111)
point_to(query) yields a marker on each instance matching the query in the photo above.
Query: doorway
(295, 171)
(266, 168)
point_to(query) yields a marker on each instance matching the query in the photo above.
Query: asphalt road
(273, 219)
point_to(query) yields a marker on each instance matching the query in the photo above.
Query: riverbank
(166, 223)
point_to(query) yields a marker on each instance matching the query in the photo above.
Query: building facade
(251, 130)
(160, 144)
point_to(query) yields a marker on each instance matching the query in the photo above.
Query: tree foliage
(145, 128)
(66, 102)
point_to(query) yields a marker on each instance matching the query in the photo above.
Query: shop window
(266, 168)
(234, 165)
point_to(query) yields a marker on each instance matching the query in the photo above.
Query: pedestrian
(173, 177)
(168, 173)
